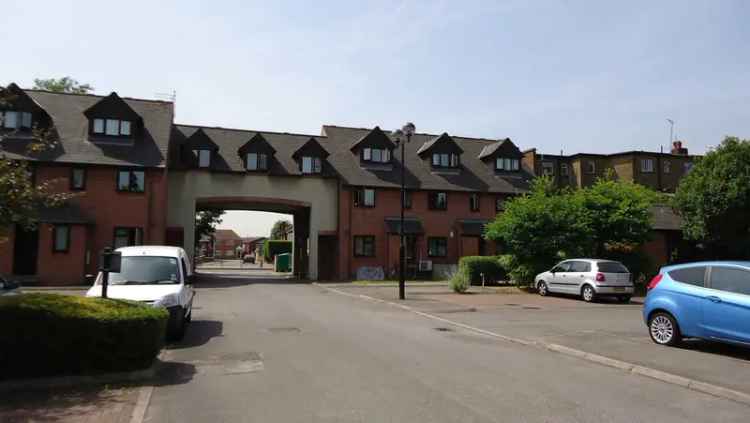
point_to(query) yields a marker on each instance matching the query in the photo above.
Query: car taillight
(655, 281)
(600, 277)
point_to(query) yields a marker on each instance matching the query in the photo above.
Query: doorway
(25, 251)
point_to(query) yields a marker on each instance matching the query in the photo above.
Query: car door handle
(714, 299)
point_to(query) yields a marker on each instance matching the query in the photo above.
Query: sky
(575, 76)
(251, 223)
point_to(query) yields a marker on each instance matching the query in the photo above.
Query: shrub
(49, 334)
(272, 248)
(521, 273)
(472, 267)
(459, 283)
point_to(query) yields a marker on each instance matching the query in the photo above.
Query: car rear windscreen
(612, 267)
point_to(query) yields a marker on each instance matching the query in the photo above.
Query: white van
(156, 275)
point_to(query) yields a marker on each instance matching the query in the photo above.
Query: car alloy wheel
(588, 294)
(542, 289)
(663, 329)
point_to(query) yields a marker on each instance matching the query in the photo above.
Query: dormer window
(445, 160)
(312, 165)
(507, 164)
(112, 127)
(256, 161)
(376, 155)
(13, 119)
(204, 157)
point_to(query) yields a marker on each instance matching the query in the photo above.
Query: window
(111, 127)
(437, 247)
(548, 168)
(502, 163)
(499, 204)
(647, 165)
(580, 266)
(407, 199)
(13, 119)
(364, 197)
(364, 246)
(312, 165)
(561, 268)
(690, 275)
(256, 161)
(376, 155)
(131, 180)
(10, 120)
(61, 238)
(78, 179)
(730, 279)
(667, 166)
(125, 237)
(445, 160)
(146, 270)
(590, 167)
(687, 167)
(564, 169)
(438, 201)
(611, 267)
(474, 202)
(204, 157)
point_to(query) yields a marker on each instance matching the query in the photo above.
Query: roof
(68, 213)
(251, 239)
(475, 175)
(501, 145)
(224, 234)
(412, 225)
(152, 250)
(665, 219)
(441, 139)
(67, 113)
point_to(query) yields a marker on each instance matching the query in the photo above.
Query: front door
(25, 251)
(726, 306)
(327, 247)
(559, 280)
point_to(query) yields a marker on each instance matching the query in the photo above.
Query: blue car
(708, 300)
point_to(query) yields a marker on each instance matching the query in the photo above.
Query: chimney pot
(678, 149)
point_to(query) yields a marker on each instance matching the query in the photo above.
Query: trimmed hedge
(272, 248)
(50, 334)
(474, 266)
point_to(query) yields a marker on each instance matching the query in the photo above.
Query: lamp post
(407, 130)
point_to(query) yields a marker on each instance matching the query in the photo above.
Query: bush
(50, 334)
(459, 283)
(474, 266)
(522, 274)
(272, 248)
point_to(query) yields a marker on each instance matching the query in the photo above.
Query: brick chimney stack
(678, 149)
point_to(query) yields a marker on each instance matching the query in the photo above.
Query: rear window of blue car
(689, 275)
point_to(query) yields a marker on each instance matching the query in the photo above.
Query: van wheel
(663, 329)
(588, 294)
(542, 289)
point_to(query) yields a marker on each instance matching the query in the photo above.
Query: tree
(65, 84)
(205, 223)
(714, 200)
(281, 229)
(21, 197)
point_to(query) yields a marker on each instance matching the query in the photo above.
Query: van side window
(690, 275)
(730, 279)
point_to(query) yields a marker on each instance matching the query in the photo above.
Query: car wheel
(664, 330)
(588, 294)
(624, 299)
(177, 330)
(542, 289)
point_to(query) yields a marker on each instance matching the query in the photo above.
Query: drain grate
(511, 304)
(531, 308)
(284, 330)
(444, 329)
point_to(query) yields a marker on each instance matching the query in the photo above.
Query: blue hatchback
(708, 300)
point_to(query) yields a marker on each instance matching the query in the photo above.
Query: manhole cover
(444, 329)
(284, 330)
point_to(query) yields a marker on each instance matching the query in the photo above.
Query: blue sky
(572, 75)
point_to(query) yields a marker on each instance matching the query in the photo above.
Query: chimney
(678, 149)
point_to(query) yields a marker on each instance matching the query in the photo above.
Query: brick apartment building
(111, 152)
(140, 179)
(227, 244)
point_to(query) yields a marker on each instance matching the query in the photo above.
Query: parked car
(707, 300)
(8, 287)
(587, 278)
(248, 258)
(156, 275)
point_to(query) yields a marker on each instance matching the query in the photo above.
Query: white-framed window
(124, 127)
(499, 163)
(667, 166)
(204, 157)
(591, 167)
(25, 120)
(367, 154)
(13, 119)
(454, 160)
(256, 161)
(10, 119)
(436, 159)
(98, 126)
(364, 197)
(564, 169)
(647, 165)
(61, 239)
(376, 155)
(548, 168)
(112, 127)
(312, 165)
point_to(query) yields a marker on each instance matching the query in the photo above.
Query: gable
(311, 148)
(200, 141)
(113, 107)
(441, 144)
(374, 139)
(256, 144)
(503, 148)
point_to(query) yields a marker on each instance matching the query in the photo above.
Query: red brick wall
(62, 268)
(355, 221)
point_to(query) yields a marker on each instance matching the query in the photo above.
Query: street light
(407, 130)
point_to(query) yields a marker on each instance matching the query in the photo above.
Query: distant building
(250, 244)
(226, 243)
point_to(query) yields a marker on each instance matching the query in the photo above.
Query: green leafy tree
(65, 84)
(205, 223)
(714, 200)
(20, 196)
(281, 229)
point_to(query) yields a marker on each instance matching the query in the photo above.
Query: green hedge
(50, 334)
(272, 248)
(474, 266)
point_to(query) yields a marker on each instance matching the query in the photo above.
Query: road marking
(144, 398)
(703, 387)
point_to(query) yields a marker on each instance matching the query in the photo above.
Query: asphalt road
(282, 352)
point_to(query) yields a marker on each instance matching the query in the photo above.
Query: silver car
(587, 278)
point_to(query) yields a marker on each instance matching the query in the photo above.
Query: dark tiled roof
(475, 175)
(224, 234)
(69, 213)
(472, 226)
(665, 219)
(444, 138)
(412, 225)
(505, 145)
(71, 124)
